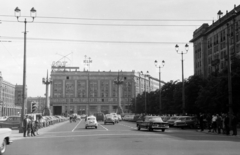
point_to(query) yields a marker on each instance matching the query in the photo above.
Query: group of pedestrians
(30, 127)
(219, 123)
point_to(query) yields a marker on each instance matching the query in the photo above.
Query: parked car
(186, 122)
(153, 123)
(109, 119)
(172, 120)
(115, 117)
(11, 122)
(4, 139)
(91, 122)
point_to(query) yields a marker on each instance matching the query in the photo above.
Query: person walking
(201, 122)
(32, 127)
(219, 124)
(214, 123)
(37, 126)
(234, 125)
(226, 123)
(25, 125)
(209, 122)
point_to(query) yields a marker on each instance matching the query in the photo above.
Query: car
(11, 122)
(172, 120)
(119, 117)
(115, 117)
(153, 123)
(4, 139)
(186, 122)
(109, 119)
(91, 121)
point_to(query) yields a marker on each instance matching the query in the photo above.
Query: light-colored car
(4, 139)
(172, 120)
(91, 121)
(115, 117)
(109, 119)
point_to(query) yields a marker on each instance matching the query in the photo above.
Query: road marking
(77, 125)
(127, 126)
(103, 127)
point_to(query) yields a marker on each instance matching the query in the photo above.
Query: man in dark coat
(25, 125)
(234, 125)
(226, 123)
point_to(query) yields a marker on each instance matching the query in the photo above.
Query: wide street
(123, 138)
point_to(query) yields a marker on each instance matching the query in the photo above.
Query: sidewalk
(214, 133)
(16, 135)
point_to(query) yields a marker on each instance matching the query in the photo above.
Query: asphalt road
(121, 139)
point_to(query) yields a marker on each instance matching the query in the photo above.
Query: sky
(116, 34)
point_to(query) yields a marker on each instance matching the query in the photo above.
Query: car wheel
(85, 127)
(150, 128)
(139, 128)
(95, 127)
(3, 147)
(113, 123)
(163, 130)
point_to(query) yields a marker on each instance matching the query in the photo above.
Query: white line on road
(103, 127)
(77, 125)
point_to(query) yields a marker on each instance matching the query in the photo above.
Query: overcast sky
(117, 34)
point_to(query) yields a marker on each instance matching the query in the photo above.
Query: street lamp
(87, 62)
(183, 90)
(47, 81)
(160, 98)
(145, 93)
(33, 14)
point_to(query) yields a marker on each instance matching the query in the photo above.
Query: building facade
(213, 42)
(7, 99)
(86, 92)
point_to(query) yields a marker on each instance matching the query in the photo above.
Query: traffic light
(34, 106)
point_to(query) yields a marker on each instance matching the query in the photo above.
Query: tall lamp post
(183, 89)
(119, 82)
(160, 95)
(145, 93)
(33, 13)
(87, 62)
(47, 81)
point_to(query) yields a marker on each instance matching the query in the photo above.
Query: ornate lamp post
(88, 61)
(47, 81)
(33, 13)
(183, 89)
(119, 81)
(160, 95)
(145, 91)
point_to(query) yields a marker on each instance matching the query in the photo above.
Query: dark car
(186, 122)
(153, 123)
(99, 116)
(11, 122)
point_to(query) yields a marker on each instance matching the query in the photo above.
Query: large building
(212, 43)
(84, 92)
(7, 99)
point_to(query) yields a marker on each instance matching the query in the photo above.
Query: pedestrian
(223, 124)
(201, 122)
(25, 125)
(214, 123)
(226, 123)
(29, 126)
(37, 126)
(209, 122)
(32, 128)
(219, 123)
(234, 123)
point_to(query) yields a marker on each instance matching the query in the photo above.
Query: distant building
(7, 99)
(210, 43)
(81, 92)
